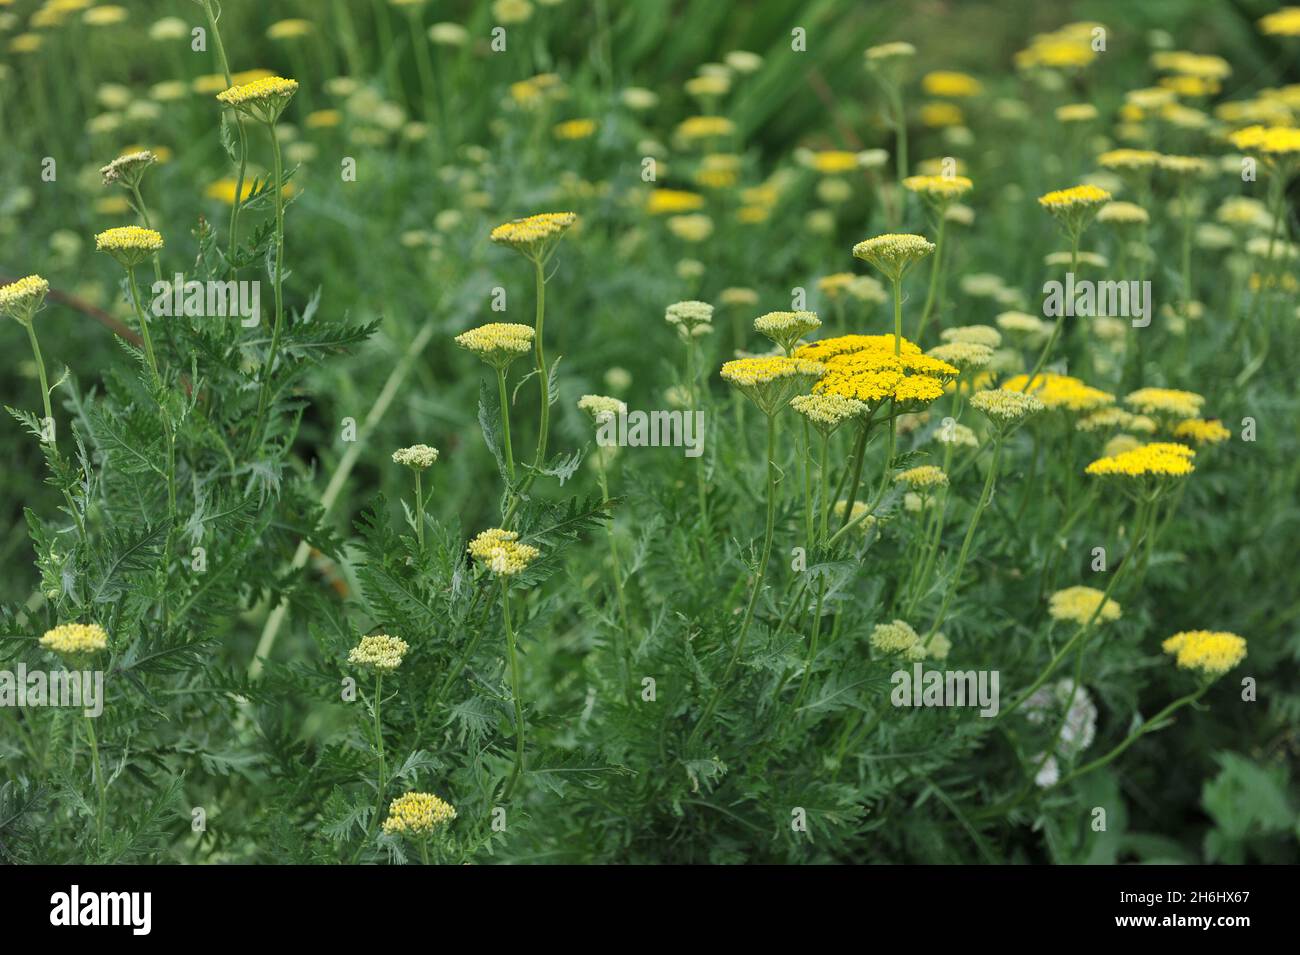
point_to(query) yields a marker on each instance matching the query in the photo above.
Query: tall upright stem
(268, 369)
(539, 459)
(514, 689)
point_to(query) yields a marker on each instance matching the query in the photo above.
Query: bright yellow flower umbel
(672, 202)
(1062, 392)
(1202, 432)
(1155, 462)
(1211, 652)
(770, 382)
(848, 344)
(1075, 207)
(21, 300)
(950, 84)
(1284, 22)
(263, 99)
(418, 814)
(75, 639)
(130, 244)
(1080, 605)
(501, 552)
(534, 236)
(1167, 402)
(498, 343)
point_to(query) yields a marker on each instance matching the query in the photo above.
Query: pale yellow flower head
(1075, 207)
(21, 300)
(418, 457)
(75, 639)
(785, 329)
(130, 244)
(827, 412)
(378, 652)
(893, 254)
(938, 191)
(1212, 652)
(895, 637)
(601, 407)
(1123, 214)
(1005, 407)
(418, 814)
(1168, 402)
(501, 552)
(1079, 605)
(498, 343)
(964, 355)
(924, 477)
(128, 169)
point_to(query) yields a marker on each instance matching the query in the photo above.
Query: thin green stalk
(936, 268)
(1060, 319)
(99, 784)
(224, 64)
(419, 510)
(625, 634)
(809, 523)
(964, 553)
(514, 689)
(768, 531)
(823, 497)
(505, 423)
(1133, 737)
(268, 369)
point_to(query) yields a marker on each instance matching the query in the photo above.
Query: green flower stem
(936, 278)
(539, 459)
(625, 633)
(268, 369)
(809, 522)
(768, 531)
(964, 553)
(141, 208)
(812, 645)
(854, 469)
(40, 372)
(224, 64)
(514, 689)
(1142, 525)
(824, 495)
(99, 783)
(145, 337)
(890, 451)
(1060, 319)
(898, 314)
(1133, 737)
(419, 510)
(382, 783)
(505, 423)
(168, 434)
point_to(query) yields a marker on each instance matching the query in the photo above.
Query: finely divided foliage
(362, 590)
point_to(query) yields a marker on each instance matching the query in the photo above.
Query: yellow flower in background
(323, 119)
(950, 84)
(1123, 214)
(1212, 652)
(1079, 605)
(1166, 401)
(939, 115)
(1075, 207)
(705, 127)
(1202, 432)
(833, 162)
(828, 348)
(1005, 407)
(827, 412)
(106, 16)
(784, 329)
(1284, 22)
(223, 190)
(1128, 159)
(1076, 113)
(1159, 460)
(75, 639)
(1061, 391)
(670, 201)
(925, 477)
(691, 228)
(574, 129)
(289, 29)
(938, 191)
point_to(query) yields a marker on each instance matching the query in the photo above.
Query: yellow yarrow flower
(21, 300)
(833, 162)
(575, 129)
(75, 639)
(130, 244)
(263, 99)
(1213, 652)
(601, 407)
(966, 356)
(1123, 213)
(1075, 207)
(951, 84)
(770, 382)
(379, 652)
(1169, 402)
(418, 814)
(534, 235)
(1079, 605)
(672, 201)
(498, 343)
(827, 412)
(1201, 431)
(848, 344)
(1284, 22)
(938, 191)
(1062, 392)
(705, 127)
(1157, 461)
(784, 329)
(893, 254)
(1005, 407)
(501, 552)
(924, 477)
(895, 637)
(128, 168)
